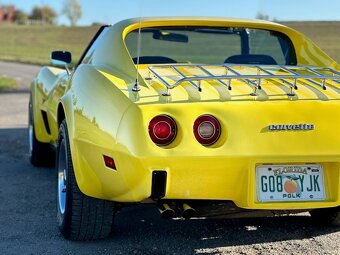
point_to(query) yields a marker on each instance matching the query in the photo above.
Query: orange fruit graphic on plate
(290, 186)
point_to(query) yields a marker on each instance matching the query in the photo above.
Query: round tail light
(162, 130)
(207, 129)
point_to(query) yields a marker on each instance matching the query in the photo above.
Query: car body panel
(105, 117)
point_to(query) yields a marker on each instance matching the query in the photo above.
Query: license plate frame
(290, 183)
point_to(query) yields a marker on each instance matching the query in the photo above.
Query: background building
(7, 14)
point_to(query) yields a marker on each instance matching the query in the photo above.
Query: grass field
(6, 83)
(33, 44)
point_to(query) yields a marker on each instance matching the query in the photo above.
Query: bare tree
(72, 10)
(262, 16)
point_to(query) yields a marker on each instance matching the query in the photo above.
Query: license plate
(275, 183)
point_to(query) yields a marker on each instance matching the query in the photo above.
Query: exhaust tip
(166, 211)
(188, 212)
(168, 214)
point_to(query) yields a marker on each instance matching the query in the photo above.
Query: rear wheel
(40, 154)
(80, 217)
(327, 216)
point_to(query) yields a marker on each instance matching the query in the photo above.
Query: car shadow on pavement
(144, 222)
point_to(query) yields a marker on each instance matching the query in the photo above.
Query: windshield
(211, 45)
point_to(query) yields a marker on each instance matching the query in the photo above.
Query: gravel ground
(28, 217)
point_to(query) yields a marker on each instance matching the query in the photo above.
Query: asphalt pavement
(23, 73)
(28, 214)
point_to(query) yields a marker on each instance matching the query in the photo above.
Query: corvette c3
(202, 117)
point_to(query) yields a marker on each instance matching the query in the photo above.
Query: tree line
(47, 15)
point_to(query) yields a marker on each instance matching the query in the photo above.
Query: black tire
(40, 154)
(327, 216)
(80, 217)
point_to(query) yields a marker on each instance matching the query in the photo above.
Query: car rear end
(267, 141)
(273, 154)
(255, 125)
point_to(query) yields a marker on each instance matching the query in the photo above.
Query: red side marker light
(109, 162)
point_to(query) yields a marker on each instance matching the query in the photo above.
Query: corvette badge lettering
(291, 127)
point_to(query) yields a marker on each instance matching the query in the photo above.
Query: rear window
(211, 45)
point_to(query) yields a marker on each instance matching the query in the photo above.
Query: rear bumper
(195, 178)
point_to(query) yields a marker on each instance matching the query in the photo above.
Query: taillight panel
(162, 130)
(207, 129)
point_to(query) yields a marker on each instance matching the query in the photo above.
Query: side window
(87, 58)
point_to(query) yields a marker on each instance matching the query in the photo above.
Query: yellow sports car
(203, 117)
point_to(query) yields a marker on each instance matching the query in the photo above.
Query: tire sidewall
(30, 122)
(84, 218)
(64, 219)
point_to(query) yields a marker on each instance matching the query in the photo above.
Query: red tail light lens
(162, 130)
(207, 130)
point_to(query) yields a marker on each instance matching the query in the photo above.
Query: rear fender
(67, 105)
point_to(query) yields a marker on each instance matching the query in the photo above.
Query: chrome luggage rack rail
(315, 75)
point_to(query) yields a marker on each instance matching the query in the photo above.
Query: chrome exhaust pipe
(188, 212)
(166, 211)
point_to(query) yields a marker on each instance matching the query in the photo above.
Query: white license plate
(276, 183)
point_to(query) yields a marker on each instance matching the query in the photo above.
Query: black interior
(252, 59)
(154, 60)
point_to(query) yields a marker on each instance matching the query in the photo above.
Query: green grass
(6, 83)
(33, 44)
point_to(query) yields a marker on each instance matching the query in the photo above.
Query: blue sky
(111, 11)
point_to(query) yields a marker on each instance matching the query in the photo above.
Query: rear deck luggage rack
(315, 75)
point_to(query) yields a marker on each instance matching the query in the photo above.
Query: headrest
(253, 59)
(153, 60)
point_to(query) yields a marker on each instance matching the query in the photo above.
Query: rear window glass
(211, 45)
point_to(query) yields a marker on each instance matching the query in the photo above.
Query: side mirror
(61, 58)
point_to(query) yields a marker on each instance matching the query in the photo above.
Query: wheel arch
(60, 114)
(38, 121)
(66, 112)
